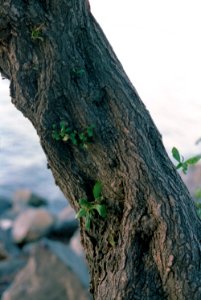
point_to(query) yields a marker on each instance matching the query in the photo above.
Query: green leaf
(193, 160)
(62, 133)
(199, 213)
(179, 166)
(97, 189)
(81, 213)
(184, 167)
(63, 124)
(198, 194)
(90, 131)
(73, 138)
(56, 135)
(82, 137)
(84, 203)
(67, 130)
(175, 154)
(198, 205)
(101, 209)
(88, 222)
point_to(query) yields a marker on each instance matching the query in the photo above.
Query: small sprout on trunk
(184, 164)
(64, 133)
(88, 209)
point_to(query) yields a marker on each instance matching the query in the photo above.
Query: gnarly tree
(61, 67)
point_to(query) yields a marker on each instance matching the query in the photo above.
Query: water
(22, 162)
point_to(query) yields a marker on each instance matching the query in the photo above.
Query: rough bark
(156, 251)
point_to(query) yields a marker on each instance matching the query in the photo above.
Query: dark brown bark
(151, 217)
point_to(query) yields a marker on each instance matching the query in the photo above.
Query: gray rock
(64, 226)
(3, 253)
(8, 270)
(7, 243)
(11, 259)
(63, 230)
(70, 259)
(31, 225)
(11, 214)
(49, 275)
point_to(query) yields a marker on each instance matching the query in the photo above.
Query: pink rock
(31, 225)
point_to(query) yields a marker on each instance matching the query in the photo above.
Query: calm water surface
(22, 162)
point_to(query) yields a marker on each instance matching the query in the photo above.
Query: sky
(157, 41)
(159, 45)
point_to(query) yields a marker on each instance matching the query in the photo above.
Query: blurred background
(159, 45)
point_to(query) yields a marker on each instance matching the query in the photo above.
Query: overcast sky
(158, 42)
(159, 45)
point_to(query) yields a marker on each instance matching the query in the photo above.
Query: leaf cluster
(184, 164)
(89, 209)
(66, 134)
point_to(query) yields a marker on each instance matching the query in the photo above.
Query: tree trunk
(61, 67)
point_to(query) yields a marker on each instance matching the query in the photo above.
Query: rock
(49, 275)
(31, 225)
(7, 243)
(11, 259)
(8, 270)
(76, 245)
(65, 225)
(67, 213)
(70, 259)
(26, 197)
(3, 253)
(5, 204)
(63, 231)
